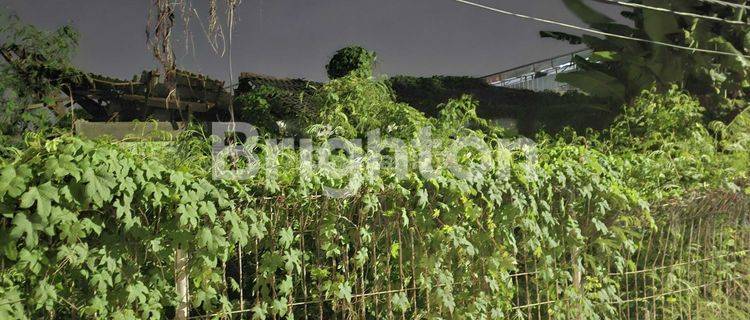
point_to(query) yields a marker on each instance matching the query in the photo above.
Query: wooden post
(145, 131)
(181, 284)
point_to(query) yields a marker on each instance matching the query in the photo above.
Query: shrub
(350, 60)
(351, 106)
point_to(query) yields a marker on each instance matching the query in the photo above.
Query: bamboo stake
(181, 283)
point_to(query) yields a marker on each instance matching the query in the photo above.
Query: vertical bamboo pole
(181, 283)
(577, 279)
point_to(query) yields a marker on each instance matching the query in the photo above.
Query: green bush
(350, 60)
(351, 106)
(667, 149)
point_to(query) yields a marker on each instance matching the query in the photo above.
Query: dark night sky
(295, 38)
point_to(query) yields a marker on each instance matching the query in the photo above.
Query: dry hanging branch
(162, 23)
(213, 19)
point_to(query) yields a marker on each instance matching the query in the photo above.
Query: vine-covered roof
(250, 81)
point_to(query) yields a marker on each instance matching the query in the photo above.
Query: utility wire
(727, 4)
(594, 31)
(679, 13)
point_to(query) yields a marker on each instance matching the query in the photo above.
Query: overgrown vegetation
(274, 110)
(28, 94)
(620, 69)
(534, 111)
(88, 228)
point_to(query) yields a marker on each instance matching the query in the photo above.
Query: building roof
(250, 81)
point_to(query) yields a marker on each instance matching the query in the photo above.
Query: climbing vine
(89, 228)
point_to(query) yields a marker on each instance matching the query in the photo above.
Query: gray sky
(295, 38)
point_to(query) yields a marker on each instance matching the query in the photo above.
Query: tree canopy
(621, 69)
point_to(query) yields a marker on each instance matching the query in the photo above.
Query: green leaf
(13, 180)
(206, 239)
(570, 38)
(21, 226)
(207, 209)
(604, 56)
(595, 83)
(286, 286)
(286, 237)
(586, 13)
(31, 260)
(281, 306)
(293, 261)
(63, 165)
(422, 198)
(344, 292)
(260, 311)
(98, 187)
(239, 230)
(45, 295)
(43, 196)
(188, 215)
(137, 292)
(400, 301)
(659, 25)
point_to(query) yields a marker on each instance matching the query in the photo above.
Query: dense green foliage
(534, 111)
(88, 227)
(353, 59)
(268, 106)
(620, 69)
(739, 139)
(272, 109)
(353, 105)
(26, 90)
(97, 226)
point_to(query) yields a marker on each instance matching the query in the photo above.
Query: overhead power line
(594, 31)
(727, 4)
(679, 13)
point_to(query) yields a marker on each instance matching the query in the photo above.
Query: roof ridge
(269, 77)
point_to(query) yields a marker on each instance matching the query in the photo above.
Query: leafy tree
(621, 69)
(26, 83)
(351, 59)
